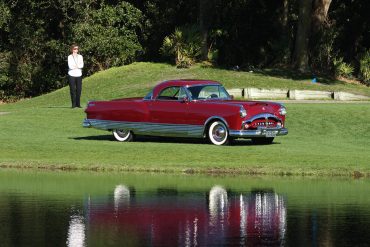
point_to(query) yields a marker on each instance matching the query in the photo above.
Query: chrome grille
(264, 123)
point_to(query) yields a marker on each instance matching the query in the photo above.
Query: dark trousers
(75, 87)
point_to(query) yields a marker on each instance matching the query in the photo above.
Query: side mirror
(231, 97)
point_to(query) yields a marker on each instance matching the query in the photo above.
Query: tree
(109, 36)
(320, 14)
(35, 46)
(302, 36)
(203, 26)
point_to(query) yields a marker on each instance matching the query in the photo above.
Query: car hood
(252, 107)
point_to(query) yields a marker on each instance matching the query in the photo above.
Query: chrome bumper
(261, 132)
(86, 124)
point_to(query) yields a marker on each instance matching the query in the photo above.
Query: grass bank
(74, 186)
(324, 139)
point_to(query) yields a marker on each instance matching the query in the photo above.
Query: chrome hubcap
(219, 133)
(122, 133)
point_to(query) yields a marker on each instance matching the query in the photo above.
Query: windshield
(208, 92)
(149, 96)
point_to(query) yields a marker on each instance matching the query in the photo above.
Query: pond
(132, 209)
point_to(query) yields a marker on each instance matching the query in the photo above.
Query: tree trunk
(320, 14)
(302, 36)
(321, 40)
(285, 41)
(284, 15)
(203, 28)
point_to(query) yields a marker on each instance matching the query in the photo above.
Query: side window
(209, 92)
(172, 93)
(223, 93)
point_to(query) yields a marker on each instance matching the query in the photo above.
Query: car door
(169, 107)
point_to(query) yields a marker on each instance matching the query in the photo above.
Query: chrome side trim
(153, 129)
(260, 132)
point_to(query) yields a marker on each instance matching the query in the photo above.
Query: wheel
(218, 133)
(123, 135)
(262, 140)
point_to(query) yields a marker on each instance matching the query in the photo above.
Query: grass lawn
(323, 140)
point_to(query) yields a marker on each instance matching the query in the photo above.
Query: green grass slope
(323, 139)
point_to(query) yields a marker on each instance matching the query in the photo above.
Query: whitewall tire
(218, 133)
(123, 135)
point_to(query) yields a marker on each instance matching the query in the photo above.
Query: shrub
(323, 54)
(342, 69)
(184, 44)
(365, 67)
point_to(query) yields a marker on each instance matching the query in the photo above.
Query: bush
(365, 67)
(184, 44)
(323, 55)
(342, 69)
(4, 71)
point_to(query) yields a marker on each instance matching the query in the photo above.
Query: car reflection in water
(76, 231)
(172, 218)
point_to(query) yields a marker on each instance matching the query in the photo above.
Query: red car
(189, 108)
(217, 218)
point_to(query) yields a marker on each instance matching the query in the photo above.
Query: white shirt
(75, 64)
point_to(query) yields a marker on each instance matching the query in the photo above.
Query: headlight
(282, 111)
(243, 112)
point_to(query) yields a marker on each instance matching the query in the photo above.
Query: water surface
(92, 209)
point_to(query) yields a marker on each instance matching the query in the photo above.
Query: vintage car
(167, 217)
(189, 108)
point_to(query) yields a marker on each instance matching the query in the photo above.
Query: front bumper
(261, 132)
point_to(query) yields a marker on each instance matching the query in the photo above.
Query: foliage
(323, 52)
(365, 67)
(41, 32)
(160, 19)
(184, 44)
(109, 36)
(37, 35)
(5, 15)
(342, 69)
(4, 77)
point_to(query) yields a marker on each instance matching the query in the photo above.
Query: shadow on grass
(63, 107)
(145, 139)
(94, 138)
(155, 139)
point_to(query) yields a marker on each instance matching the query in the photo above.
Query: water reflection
(121, 196)
(66, 210)
(169, 218)
(76, 231)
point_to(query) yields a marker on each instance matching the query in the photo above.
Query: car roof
(181, 83)
(186, 82)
